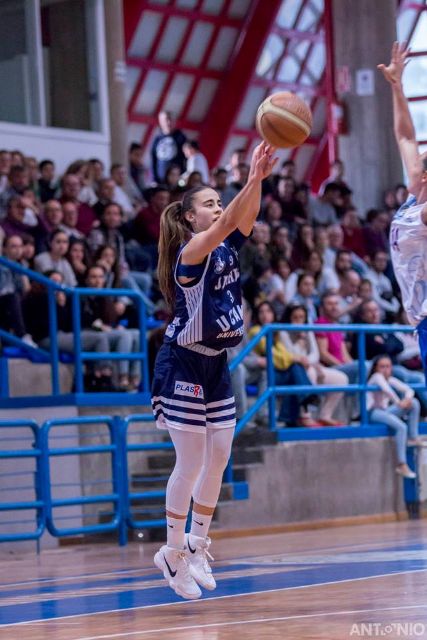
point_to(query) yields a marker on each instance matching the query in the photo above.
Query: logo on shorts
(189, 389)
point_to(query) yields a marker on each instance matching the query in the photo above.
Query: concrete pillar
(363, 34)
(114, 35)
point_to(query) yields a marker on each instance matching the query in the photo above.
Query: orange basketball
(284, 120)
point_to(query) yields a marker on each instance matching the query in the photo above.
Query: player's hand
(263, 161)
(399, 59)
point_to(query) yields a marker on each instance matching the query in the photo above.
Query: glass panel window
(178, 93)
(171, 39)
(202, 99)
(272, 51)
(415, 77)
(223, 47)
(288, 13)
(405, 22)
(419, 115)
(197, 44)
(419, 39)
(18, 70)
(212, 6)
(145, 34)
(70, 64)
(150, 93)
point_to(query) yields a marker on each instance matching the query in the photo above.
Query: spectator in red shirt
(353, 236)
(70, 188)
(145, 228)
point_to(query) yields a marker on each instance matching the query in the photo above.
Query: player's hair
(174, 230)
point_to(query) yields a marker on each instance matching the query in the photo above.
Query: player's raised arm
(240, 213)
(403, 125)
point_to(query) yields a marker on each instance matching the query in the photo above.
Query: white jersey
(408, 244)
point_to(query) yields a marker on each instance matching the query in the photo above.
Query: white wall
(60, 145)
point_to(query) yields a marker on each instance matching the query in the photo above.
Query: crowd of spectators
(310, 259)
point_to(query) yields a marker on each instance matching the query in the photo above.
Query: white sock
(176, 532)
(200, 524)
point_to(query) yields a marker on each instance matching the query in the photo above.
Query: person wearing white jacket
(394, 404)
(303, 345)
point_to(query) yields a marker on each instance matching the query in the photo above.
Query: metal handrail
(79, 356)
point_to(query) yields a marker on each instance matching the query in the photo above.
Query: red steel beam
(231, 92)
(132, 11)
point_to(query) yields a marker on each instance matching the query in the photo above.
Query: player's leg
(205, 498)
(170, 558)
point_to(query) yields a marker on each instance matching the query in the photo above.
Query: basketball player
(191, 392)
(408, 233)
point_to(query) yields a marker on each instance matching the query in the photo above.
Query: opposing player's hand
(399, 59)
(263, 161)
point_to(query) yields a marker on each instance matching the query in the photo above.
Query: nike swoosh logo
(192, 550)
(170, 525)
(199, 523)
(173, 573)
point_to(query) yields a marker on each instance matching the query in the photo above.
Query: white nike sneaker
(174, 565)
(196, 550)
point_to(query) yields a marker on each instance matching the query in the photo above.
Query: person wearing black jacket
(381, 343)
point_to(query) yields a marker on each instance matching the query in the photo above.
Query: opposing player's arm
(243, 208)
(403, 126)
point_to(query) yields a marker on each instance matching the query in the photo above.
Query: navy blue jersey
(209, 312)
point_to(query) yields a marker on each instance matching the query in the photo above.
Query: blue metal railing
(115, 443)
(79, 356)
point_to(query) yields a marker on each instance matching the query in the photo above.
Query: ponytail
(174, 230)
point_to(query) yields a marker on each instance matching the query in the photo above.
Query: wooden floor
(351, 582)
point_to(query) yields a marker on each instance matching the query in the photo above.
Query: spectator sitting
(220, 184)
(280, 246)
(259, 286)
(322, 209)
(18, 183)
(36, 313)
(272, 215)
(382, 289)
(32, 208)
(122, 195)
(325, 279)
(105, 196)
(336, 175)
(145, 228)
(365, 290)
(5, 164)
(353, 235)
(401, 193)
(303, 345)
(12, 288)
(306, 296)
(194, 179)
(389, 201)
(172, 184)
(349, 295)
(375, 231)
(52, 216)
(28, 253)
(108, 258)
(388, 406)
(47, 185)
(196, 161)
(332, 347)
(288, 371)
(70, 216)
(94, 173)
(78, 258)
(55, 260)
(386, 344)
(80, 169)
(279, 283)
(292, 209)
(335, 248)
(136, 171)
(167, 148)
(303, 246)
(70, 189)
(256, 247)
(239, 177)
(102, 313)
(14, 225)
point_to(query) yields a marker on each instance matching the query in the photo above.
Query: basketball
(284, 120)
